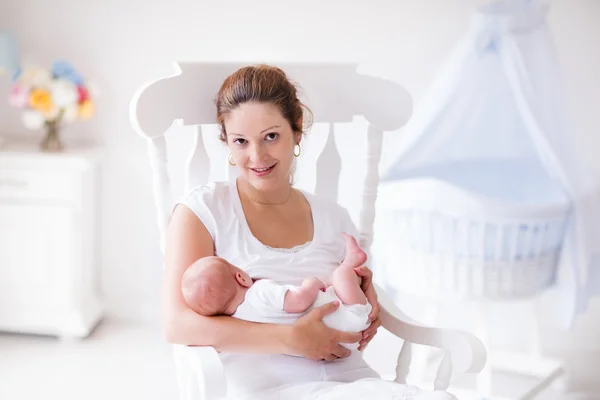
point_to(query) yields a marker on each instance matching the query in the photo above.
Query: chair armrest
(467, 352)
(200, 371)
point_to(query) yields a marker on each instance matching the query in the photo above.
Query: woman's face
(262, 143)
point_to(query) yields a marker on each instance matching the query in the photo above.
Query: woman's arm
(187, 241)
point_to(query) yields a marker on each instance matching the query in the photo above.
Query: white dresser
(49, 276)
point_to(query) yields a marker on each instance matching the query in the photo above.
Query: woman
(260, 223)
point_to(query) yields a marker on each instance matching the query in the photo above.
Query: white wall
(123, 43)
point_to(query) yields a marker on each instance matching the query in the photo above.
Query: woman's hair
(260, 84)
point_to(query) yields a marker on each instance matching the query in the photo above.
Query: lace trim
(294, 249)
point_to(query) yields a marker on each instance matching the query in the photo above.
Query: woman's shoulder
(211, 202)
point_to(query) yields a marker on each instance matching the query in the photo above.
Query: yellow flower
(41, 100)
(86, 109)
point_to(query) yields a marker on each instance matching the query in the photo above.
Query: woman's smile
(263, 171)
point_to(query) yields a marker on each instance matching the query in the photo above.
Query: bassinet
(489, 228)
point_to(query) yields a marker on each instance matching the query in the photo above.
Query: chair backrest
(336, 94)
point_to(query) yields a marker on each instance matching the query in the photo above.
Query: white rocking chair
(336, 93)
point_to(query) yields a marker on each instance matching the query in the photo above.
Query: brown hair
(260, 84)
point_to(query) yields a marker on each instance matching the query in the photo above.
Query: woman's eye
(239, 141)
(272, 136)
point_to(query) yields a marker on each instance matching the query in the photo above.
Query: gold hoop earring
(299, 150)
(229, 160)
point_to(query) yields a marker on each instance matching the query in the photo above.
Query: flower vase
(51, 142)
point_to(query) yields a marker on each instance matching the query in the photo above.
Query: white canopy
(499, 98)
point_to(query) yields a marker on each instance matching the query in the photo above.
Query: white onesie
(264, 303)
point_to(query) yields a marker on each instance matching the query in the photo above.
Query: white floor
(116, 362)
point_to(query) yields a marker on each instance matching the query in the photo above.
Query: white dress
(265, 376)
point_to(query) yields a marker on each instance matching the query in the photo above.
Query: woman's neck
(278, 196)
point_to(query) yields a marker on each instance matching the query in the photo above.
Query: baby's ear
(242, 280)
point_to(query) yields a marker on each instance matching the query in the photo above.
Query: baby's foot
(355, 256)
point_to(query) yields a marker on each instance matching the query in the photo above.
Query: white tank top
(258, 375)
(219, 208)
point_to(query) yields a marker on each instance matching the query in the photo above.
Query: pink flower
(18, 96)
(84, 94)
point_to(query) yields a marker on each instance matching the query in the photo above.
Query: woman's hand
(311, 338)
(367, 286)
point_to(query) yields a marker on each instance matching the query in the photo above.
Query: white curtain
(499, 97)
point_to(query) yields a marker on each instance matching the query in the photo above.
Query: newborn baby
(213, 286)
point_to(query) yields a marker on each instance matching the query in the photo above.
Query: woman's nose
(258, 153)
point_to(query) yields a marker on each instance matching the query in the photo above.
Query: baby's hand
(314, 284)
